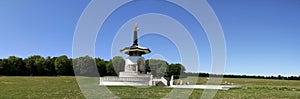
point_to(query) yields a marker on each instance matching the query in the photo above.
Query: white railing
(172, 80)
(124, 78)
(163, 80)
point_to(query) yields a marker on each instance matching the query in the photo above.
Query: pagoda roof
(135, 48)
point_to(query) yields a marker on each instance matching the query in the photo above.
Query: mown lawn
(39, 87)
(66, 88)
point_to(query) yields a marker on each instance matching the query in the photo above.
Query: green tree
(50, 67)
(148, 69)
(115, 65)
(85, 66)
(11, 67)
(4, 67)
(157, 67)
(63, 65)
(36, 65)
(118, 63)
(110, 69)
(101, 66)
(176, 70)
(40, 64)
(1, 67)
(29, 63)
(21, 68)
(15, 66)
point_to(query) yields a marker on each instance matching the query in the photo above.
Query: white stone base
(126, 81)
(123, 84)
(132, 74)
(128, 74)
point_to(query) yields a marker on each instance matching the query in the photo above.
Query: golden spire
(135, 27)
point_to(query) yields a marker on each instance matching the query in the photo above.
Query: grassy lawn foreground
(66, 87)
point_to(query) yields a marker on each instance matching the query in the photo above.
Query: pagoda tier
(135, 50)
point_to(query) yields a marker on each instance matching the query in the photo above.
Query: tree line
(37, 65)
(245, 76)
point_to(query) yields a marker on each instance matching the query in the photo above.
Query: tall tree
(4, 66)
(148, 69)
(40, 65)
(36, 65)
(110, 68)
(176, 70)
(21, 70)
(16, 66)
(118, 63)
(29, 63)
(101, 66)
(157, 67)
(85, 66)
(63, 65)
(12, 66)
(1, 67)
(50, 67)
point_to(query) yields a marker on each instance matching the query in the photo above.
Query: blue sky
(262, 37)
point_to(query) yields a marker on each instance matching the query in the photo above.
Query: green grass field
(67, 88)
